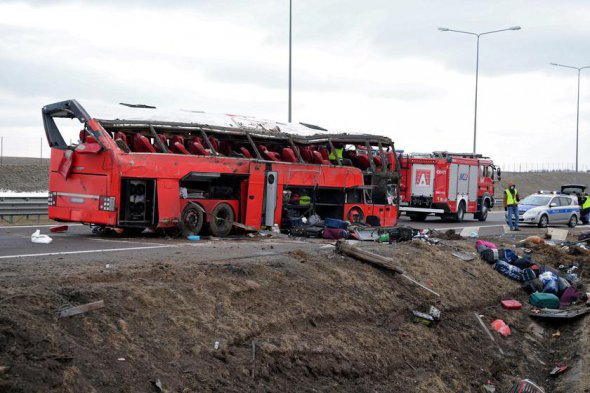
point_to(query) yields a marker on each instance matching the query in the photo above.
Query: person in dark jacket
(511, 199)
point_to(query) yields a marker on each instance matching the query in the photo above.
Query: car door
(553, 210)
(568, 207)
(563, 209)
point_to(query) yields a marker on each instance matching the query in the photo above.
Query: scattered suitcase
(490, 255)
(533, 286)
(508, 270)
(511, 304)
(528, 274)
(544, 300)
(335, 233)
(335, 223)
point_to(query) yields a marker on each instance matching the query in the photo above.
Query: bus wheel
(355, 214)
(222, 218)
(191, 219)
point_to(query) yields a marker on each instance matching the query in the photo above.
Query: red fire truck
(447, 185)
(138, 167)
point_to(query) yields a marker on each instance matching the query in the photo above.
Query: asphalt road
(80, 244)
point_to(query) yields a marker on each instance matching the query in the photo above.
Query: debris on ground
(37, 237)
(558, 370)
(501, 327)
(68, 312)
(59, 228)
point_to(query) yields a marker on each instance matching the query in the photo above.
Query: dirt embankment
(297, 322)
(530, 182)
(24, 174)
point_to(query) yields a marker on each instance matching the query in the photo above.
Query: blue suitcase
(528, 274)
(335, 223)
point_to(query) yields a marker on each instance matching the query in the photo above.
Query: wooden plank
(81, 309)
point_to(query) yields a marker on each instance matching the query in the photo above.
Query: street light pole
(579, 69)
(477, 70)
(290, 31)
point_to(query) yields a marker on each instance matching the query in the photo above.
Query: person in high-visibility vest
(585, 213)
(511, 199)
(336, 152)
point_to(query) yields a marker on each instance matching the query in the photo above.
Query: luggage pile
(548, 287)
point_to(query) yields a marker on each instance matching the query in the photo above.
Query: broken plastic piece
(500, 326)
(194, 237)
(37, 237)
(559, 369)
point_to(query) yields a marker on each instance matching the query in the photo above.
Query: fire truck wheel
(418, 217)
(483, 214)
(191, 219)
(460, 212)
(355, 214)
(222, 218)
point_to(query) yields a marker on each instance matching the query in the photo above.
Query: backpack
(402, 233)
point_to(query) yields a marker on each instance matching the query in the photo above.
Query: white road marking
(98, 239)
(37, 226)
(84, 251)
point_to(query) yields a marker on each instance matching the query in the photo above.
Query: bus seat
(245, 152)
(177, 145)
(362, 161)
(306, 154)
(142, 145)
(164, 141)
(86, 138)
(271, 155)
(288, 155)
(378, 161)
(121, 139)
(225, 148)
(317, 157)
(214, 143)
(196, 147)
(325, 153)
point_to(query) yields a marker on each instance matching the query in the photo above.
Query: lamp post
(477, 69)
(579, 69)
(290, 30)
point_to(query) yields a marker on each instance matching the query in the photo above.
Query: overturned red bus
(138, 167)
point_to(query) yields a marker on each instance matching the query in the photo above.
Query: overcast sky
(379, 66)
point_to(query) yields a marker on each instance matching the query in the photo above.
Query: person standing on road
(511, 199)
(585, 210)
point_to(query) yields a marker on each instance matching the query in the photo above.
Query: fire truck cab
(447, 185)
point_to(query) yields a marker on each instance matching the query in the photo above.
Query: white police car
(547, 208)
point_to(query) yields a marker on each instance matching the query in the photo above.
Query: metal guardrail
(18, 206)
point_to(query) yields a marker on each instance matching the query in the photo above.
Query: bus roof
(129, 115)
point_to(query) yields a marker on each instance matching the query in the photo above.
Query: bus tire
(191, 219)
(355, 214)
(221, 221)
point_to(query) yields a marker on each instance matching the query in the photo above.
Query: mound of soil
(24, 174)
(295, 322)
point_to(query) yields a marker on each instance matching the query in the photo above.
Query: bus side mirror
(499, 171)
